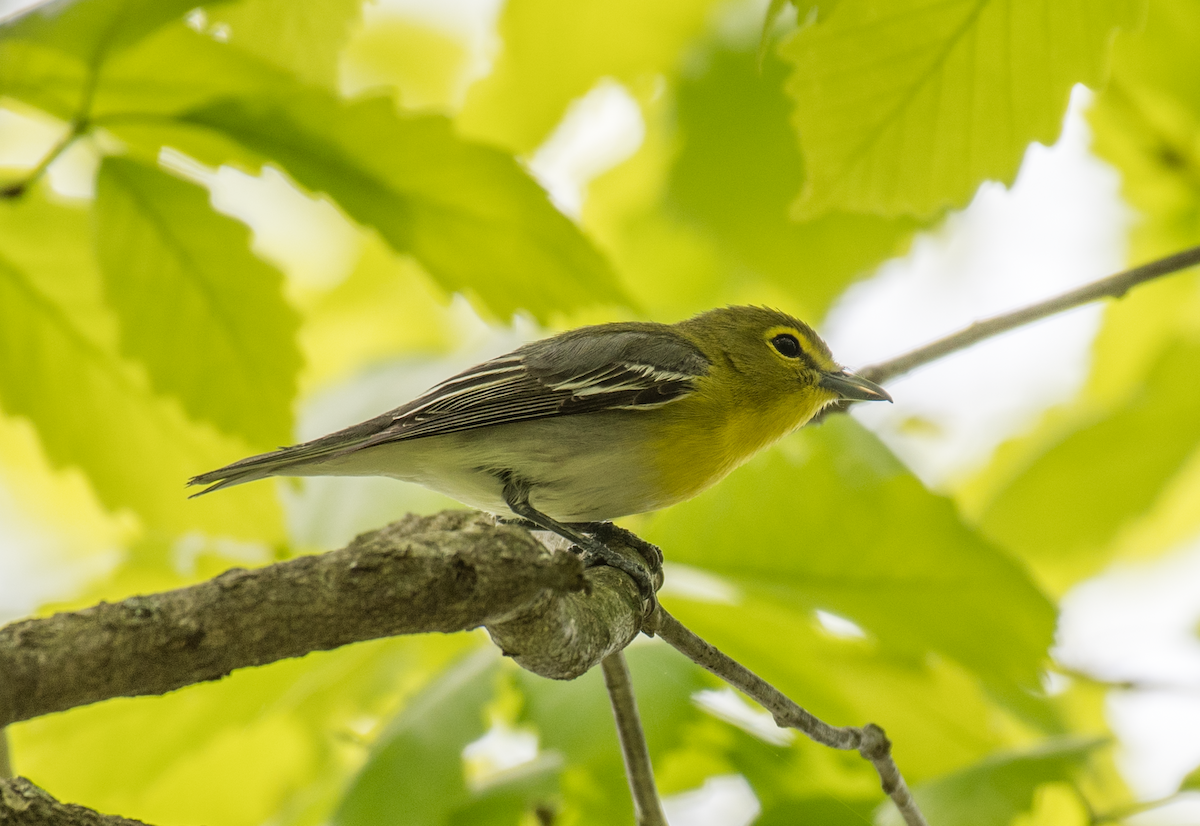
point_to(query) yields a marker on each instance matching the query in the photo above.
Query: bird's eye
(787, 345)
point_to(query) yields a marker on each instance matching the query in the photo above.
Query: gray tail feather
(278, 462)
(275, 463)
(242, 471)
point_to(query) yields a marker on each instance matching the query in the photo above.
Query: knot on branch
(875, 745)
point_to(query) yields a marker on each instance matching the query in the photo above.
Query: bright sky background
(1062, 224)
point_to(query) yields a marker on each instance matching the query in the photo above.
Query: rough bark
(24, 804)
(449, 572)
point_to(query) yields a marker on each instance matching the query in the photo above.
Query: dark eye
(787, 345)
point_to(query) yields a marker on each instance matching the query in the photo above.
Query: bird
(572, 431)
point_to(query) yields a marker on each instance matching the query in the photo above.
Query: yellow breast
(700, 439)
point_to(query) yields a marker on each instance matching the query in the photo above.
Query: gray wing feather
(638, 367)
(633, 366)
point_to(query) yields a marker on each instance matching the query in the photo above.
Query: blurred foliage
(146, 334)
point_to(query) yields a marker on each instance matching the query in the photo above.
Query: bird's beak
(849, 386)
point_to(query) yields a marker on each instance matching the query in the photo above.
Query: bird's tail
(297, 460)
(246, 470)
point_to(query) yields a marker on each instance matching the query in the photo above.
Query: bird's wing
(617, 367)
(578, 372)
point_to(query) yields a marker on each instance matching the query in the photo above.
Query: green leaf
(1145, 124)
(415, 775)
(998, 789)
(1071, 501)
(206, 317)
(59, 367)
(92, 30)
(303, 36)
(933, 710)
(468, 213)
(53, 55)
(769, 19)
(904, 108)
(819, 812)
(839, 525)
(574, 719)
(738, 169)
(555, 52)
(1191, 781)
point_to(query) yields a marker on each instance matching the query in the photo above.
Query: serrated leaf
(839, 525)
(60, 368)
(206, 317)
(468, 213)
(904, 108)
(999, 788)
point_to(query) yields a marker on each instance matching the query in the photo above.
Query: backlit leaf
(555, 52)
(59, 367)
(903, 108)
(205, 316)
(830, 520)
(468, 213)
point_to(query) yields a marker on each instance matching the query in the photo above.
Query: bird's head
(772, 355)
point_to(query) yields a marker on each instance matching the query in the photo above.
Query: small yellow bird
(591, 424)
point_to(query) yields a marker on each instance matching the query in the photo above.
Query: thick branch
(24, 804)
(449, 572)
(647, 808)
(869, 741)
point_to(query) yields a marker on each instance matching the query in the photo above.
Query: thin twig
(646, 805)
(1114, 286)
(869, 741)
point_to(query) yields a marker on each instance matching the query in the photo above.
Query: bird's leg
(593, 550)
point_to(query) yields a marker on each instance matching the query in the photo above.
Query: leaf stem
(18, 188)
(646, 805)
(869, 741)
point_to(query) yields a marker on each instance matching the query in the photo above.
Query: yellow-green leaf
(905, 107)
(206, 317)
(60, 368)
(473, 218)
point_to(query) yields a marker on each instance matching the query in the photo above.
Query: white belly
(588, 475)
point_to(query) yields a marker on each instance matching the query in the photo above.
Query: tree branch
(647, 808)
(24, 804)
(449, 572)
(1114, 286)
(869, 741)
